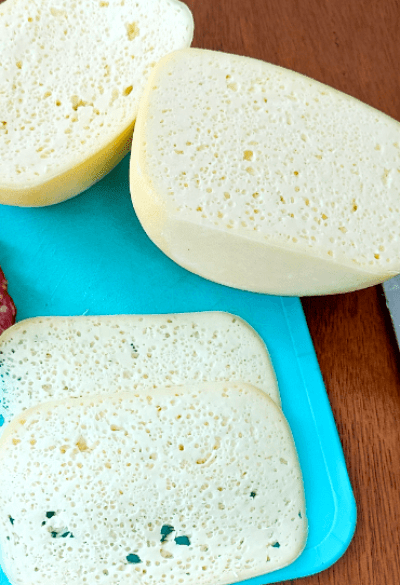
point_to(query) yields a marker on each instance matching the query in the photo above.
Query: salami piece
(7, 307)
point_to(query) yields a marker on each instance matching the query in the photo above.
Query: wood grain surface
(352, 45)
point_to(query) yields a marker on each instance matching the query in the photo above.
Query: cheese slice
(194, 484)
(50, 358)
(262, 179)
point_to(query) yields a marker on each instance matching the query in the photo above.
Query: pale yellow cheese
(51, 358)
(73, 180)
(262, 179)
(89, 486)
(71, 76)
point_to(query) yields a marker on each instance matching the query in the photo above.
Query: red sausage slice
(7, 307)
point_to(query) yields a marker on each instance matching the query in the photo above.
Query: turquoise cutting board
(89, 255)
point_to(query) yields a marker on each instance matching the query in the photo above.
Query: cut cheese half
(262, 179)
(51, 358)
(71, 75)
(195, 484)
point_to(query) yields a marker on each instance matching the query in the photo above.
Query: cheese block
(71, 75)
(50, 358)
(197, 484)
(262, 179)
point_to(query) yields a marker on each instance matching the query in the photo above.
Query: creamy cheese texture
(71, 75)
(195, 484)
(51, 358)
(263, 179)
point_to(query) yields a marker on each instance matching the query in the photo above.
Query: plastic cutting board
(89, 255)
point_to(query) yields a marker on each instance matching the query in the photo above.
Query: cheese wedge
(71, 75)
(262, 179)
(196, 484)
(51, 358)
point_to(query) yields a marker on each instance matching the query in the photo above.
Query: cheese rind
(50, 358)
(265, 180)
(72, 76)
(200, 483)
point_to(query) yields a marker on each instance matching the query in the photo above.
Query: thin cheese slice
(196, 484)
(259, 178)
(51, 358)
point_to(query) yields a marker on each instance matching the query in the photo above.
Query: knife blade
(391, 288)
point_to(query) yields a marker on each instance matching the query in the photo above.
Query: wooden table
(352, 45)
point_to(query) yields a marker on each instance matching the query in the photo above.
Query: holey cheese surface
(192, 485)
(259, 178)
(49, 358)
(71, 75)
